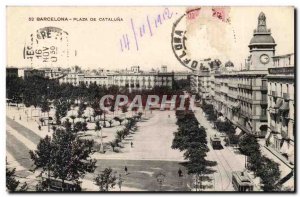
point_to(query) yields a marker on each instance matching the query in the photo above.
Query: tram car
(215, 141)
(56, 185)
(242, 182)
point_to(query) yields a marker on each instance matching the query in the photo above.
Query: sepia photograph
(150, 99)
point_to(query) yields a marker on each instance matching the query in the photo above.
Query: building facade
(281, 106)
(241, 96)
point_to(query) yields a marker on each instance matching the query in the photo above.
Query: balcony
(234, 85)
(273, 128)
(263, 118)
(244, 86)
(264, 102)
(274, 93)
(273, 110)
(245, 114)
(285, 96)
(244, 128)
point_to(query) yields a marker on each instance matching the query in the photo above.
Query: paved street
(150, 155)
(227, 159)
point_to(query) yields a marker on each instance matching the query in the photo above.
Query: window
(263, 111)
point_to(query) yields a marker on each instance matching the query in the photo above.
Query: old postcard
(150, 99)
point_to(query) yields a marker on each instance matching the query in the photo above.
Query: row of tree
(130, 127)
(265, 168)
(191, 139)
(33, 90)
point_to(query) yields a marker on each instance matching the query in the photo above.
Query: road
(227, 159)
(150, 155)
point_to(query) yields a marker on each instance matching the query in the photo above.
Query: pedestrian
(126, 170)
(40, 127)
(20, 117)
(179, 173)
(13, 117)
(131, 144)
(169, 115)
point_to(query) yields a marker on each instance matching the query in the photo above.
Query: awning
(278, 103)
(223, 111)
(284, 148)
(271, 140)
(268, 135)
(221, 118)
(238, 131)
(284, 106)
(290, 151)
(241, 121)
(278, 136)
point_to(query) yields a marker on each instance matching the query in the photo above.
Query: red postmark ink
(221, 13)
(192, 13)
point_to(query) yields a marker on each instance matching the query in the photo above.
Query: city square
(211, 126)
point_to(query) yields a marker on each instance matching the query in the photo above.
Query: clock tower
(262, 46)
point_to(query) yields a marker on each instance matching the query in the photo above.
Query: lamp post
(120, 181)
(48, 108)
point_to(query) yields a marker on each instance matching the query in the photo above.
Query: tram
(215, 141)
(242, 182)
(57, 185)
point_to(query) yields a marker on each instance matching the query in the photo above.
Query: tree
(73, 118)
(71, 156)
(119, 120)
(106, 180)
(119, 135)
(64, 156)
(42, 157)
(254, 162)
(113, 145)
(110, 122)
(192, 139)
(248, 145)
(98, 127)
(12, 184)
(269, 173)
(124, 108)
(229, 64)
(45, 106)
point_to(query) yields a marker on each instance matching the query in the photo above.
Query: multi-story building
(141, 80)
(101, 80)
(281, 103)
(132, 79)
(241, 96)
(201, 82)
(74, 77)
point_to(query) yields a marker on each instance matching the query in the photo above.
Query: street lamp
(120, 181)
(48, 108)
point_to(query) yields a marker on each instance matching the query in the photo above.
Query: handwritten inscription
(147, 28)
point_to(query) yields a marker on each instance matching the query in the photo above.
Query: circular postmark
(47, 46)
(197, 35)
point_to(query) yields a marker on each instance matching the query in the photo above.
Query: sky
(146, 41)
